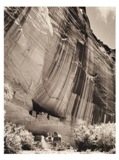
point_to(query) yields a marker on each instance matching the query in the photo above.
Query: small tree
(17, 138)
(95, 137)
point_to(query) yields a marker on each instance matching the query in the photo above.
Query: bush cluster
(95, 137)
(17, 138)
(8, 92)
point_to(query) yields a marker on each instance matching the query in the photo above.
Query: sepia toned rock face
(55, 58)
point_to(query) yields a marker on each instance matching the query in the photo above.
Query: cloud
(104, 12)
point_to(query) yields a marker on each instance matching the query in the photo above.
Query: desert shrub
(95, 137)
(103, 136)
(81, 135)
(8, 92)
(17, 138)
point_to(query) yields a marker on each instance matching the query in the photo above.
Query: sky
(102, 21)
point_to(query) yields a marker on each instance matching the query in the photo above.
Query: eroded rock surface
(54, 62)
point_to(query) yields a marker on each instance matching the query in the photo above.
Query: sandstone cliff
(57, 65)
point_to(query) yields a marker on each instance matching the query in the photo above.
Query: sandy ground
(59, 152)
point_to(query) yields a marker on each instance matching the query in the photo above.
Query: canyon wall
(56, 64)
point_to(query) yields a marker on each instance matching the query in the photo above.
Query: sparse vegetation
(95, 137)
(88, 138)
(17, 138)
(8, 92)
